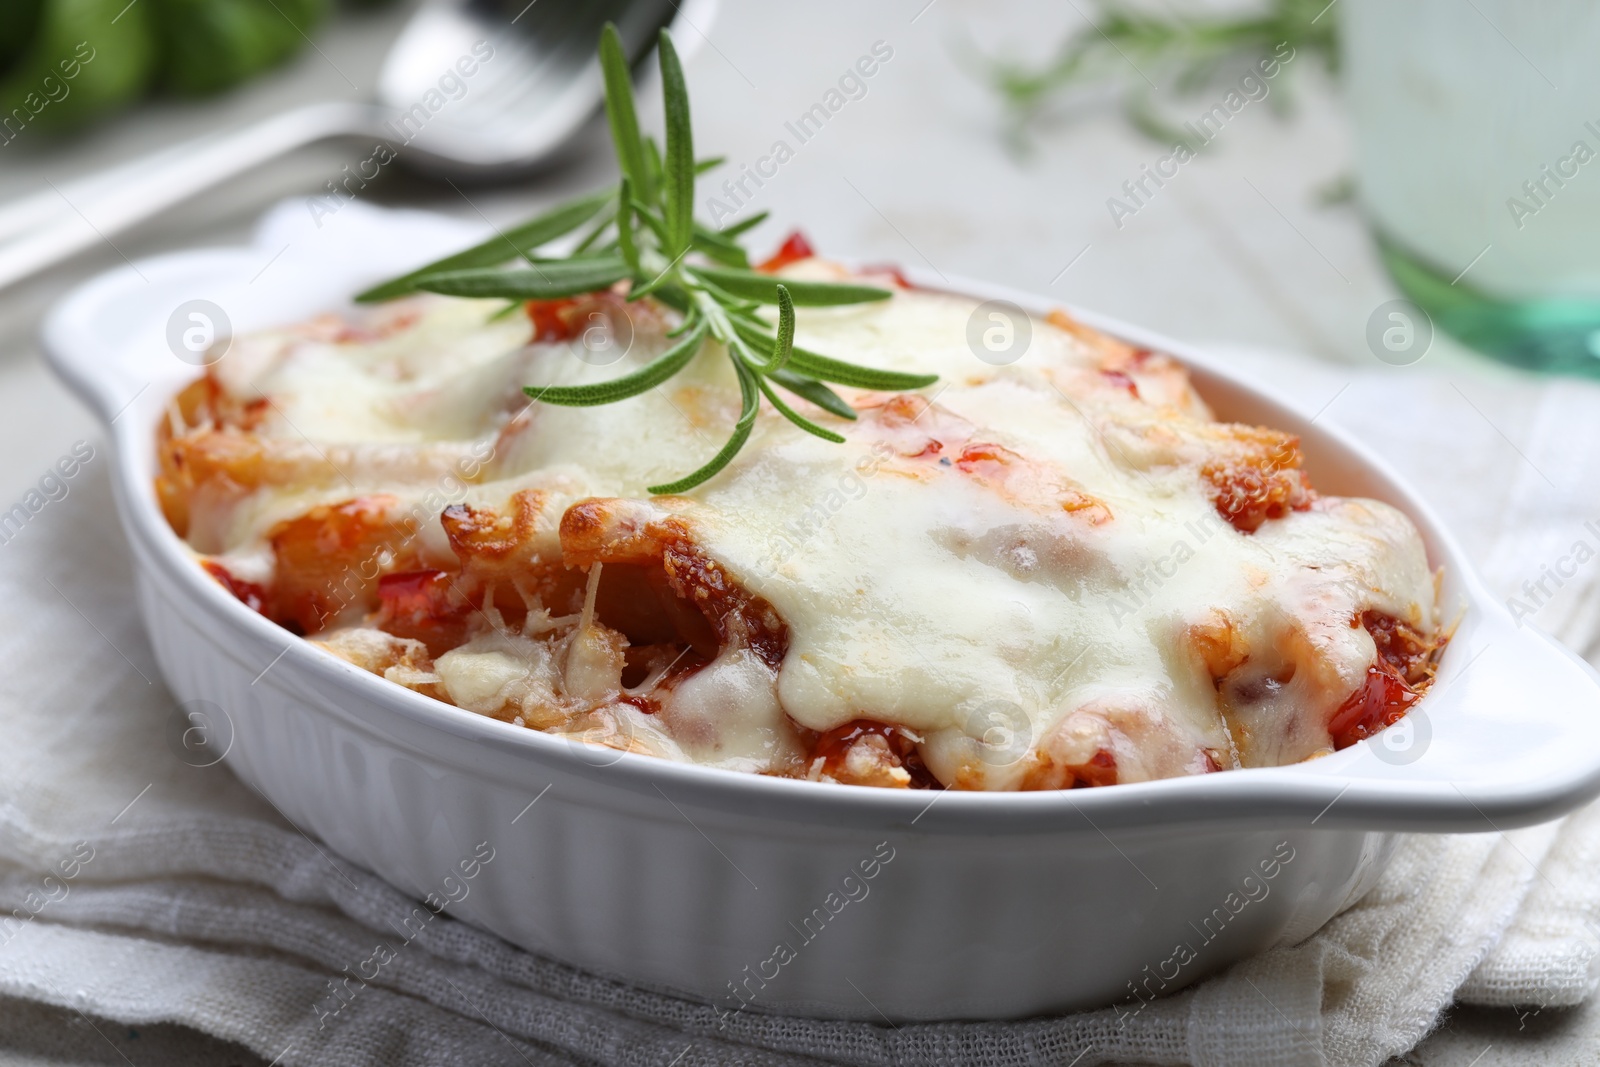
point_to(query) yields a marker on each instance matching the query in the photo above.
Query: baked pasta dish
(1055, 572)
(941, 545)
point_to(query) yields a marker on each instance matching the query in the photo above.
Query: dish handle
(143, 329)
(1509, 735)
(150, 326)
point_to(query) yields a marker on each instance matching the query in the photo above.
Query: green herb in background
(78, 61)
(65, 63)
(209, 45)
(1128, 43)
(643, 231)
(18, 20)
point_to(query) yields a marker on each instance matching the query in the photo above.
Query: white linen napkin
(138, 888)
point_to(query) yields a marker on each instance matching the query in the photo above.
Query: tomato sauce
(554, 320)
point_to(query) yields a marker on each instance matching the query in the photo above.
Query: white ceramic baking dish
(744, 889)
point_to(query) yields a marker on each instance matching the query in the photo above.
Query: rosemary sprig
(1128, 43)
(643, 231)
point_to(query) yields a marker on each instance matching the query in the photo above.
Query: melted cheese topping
(1057, 571)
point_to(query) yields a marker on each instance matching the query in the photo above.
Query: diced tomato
(794, 248)
(423, 605)
(251, 594)
(1381, 700)
(414, 595)
(1394, 683)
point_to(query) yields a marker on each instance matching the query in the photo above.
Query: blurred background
(1378, 187)
(1272, 174)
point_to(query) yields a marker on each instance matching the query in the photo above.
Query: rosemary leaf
(674, 296)
(799, 420)
(620, 112)
(745, 225)
(649, 288)
(852, 374)
(652, 221)
(652, 162)
(717, 247)
(517, 241)
(749, 393)
(588, 242)
(630, 251)
(678, 167)
(814, 391)
(812, 365)
(545, 281)
(763, 288)
(783, 346)
(642, 380)
(725, 298)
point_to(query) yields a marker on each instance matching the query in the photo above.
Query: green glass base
(1558, 336)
